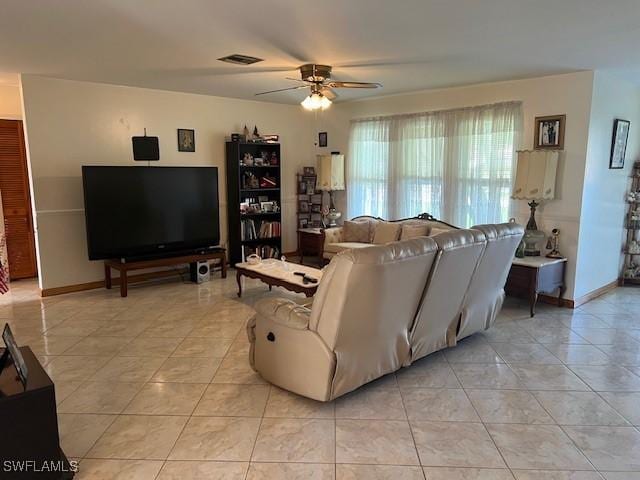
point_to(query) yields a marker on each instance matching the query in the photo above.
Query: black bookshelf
(242, 186)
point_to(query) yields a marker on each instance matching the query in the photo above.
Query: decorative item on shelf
(303, 206)
(256, 135)
(632, 272)
(535, 181)
(186, 140)
(237, 137)
(249, 181)
(247, 160)
(520, 249)
(553, 244)
(270, 138)
(331, 179)
(549, 134)
(273, 160)
(633, 197)
(268, 182)
(619, 143)
(245, 132)
(634, 248)
(309, 170)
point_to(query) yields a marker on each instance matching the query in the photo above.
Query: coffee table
(274, 272)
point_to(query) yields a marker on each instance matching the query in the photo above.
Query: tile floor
(158, 386)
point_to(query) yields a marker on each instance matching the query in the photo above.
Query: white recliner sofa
(380, 308)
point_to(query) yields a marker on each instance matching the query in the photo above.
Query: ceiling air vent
(238, 59)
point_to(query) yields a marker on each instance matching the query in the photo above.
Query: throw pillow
(414, 231)
(386, 232)
(356, 231)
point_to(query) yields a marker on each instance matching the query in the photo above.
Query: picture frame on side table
(549, 132)
(186, 140)
(619, 143)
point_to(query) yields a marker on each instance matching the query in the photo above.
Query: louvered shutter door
(14, 185)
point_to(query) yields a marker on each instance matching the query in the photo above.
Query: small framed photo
(186, 140)
(316, 208)
(303, 223)
(303, 206)
(619, 143)
(266, 206)
(322, 139)
(549, 132)
(309, 170)
(302, 188)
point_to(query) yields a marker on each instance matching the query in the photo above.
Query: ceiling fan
(318, 79)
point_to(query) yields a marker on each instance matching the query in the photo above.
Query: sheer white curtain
(456, 164)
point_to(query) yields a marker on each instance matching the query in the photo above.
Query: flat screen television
(136, 212)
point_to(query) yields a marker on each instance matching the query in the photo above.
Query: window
(456, 165)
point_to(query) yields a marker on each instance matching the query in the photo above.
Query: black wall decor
(145, 149)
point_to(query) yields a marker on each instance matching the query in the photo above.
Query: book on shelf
(249, 230)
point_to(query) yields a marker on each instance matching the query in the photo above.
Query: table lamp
(535, 181)
(331, 179)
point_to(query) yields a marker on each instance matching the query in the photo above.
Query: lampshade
(536, 175)
(331, 172)
(316, 101)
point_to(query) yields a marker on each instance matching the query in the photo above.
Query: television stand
(125, 266)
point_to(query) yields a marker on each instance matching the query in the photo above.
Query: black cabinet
(29, 443)
(254, 200)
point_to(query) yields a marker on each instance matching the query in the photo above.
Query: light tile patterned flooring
(158, 386)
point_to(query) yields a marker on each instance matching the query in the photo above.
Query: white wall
(10, 104)
(603, 199)
(568, 94)
(72, 123)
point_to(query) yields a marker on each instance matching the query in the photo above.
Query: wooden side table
(311, 243)
(531, 276)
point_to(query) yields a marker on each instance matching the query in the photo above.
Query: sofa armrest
(284, 312)
(333, 235)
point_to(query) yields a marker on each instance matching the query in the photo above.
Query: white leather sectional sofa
(380, 308)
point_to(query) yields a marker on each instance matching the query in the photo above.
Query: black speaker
(145, 149)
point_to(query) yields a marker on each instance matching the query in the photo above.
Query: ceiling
(406, 45)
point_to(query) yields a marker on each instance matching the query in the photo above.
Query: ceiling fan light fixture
(316, 101)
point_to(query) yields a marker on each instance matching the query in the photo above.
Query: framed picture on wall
(322, 139)
(619, 143)
(186, 140)
(549, 132)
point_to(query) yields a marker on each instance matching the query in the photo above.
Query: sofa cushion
(356, 231)
(386, 232)
(414, 231)
(341, 246)
(436, 231)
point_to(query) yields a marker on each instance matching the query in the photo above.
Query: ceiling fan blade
(299, 80)
(327, 92)
(334, 84)
(283, 89)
